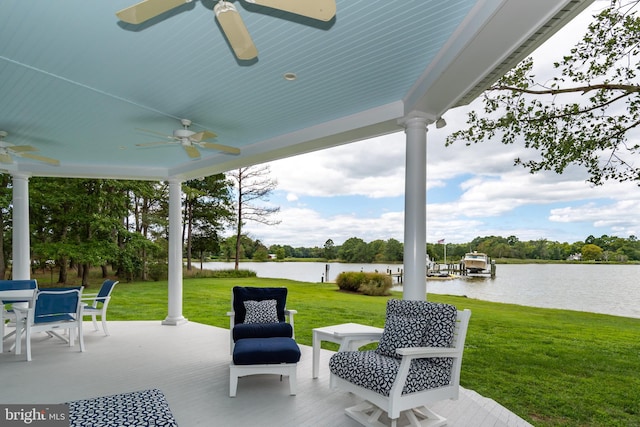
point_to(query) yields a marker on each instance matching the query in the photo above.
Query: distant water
(606, 289)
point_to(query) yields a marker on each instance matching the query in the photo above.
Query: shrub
(158, 271)
(365, 283)
(378, 285)
(221, 274)
(350, 280)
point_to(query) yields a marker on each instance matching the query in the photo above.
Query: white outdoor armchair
(98, 303)
(54, 310)
(417, 362)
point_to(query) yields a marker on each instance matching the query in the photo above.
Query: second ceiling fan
(190, 140)
(230, 20)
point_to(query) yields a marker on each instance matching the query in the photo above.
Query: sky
(357, 190)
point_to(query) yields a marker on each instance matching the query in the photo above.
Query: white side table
(350, 336)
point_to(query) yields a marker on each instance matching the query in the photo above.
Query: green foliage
(261, 254)
(158, 271)
(221, 274)
(377, 285)
(612, 249)
(374, 284)
(591, 252)
(350, 280)
(208, 209)
(584, 115)
(355, 249)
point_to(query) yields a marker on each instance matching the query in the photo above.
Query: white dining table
(18, 296)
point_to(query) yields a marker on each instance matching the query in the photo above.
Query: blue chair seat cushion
(262, 330)
(257, 351)
(376, 372)
(53, 318)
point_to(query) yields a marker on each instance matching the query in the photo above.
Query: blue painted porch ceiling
(76, 83)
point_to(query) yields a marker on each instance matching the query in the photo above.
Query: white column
(174, 317)
(415, 210)
(21, 262)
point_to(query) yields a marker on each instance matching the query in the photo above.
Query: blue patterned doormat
(144, 408)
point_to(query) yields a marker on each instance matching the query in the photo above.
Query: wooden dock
(444, 272)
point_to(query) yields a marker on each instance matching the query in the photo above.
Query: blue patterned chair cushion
(260, 311)
(400, 332)
(376, 372)
(139, 408)
(442, 323)
(439, 322)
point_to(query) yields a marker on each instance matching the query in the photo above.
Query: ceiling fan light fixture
(235, 30)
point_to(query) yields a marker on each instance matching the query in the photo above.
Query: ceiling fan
(8, 150)
(229, 18)
(190, 140)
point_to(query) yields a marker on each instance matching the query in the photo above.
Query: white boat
(475, 262)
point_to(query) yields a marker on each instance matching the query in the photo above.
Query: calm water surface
(606, 289)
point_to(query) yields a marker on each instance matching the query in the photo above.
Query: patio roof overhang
(78, 84)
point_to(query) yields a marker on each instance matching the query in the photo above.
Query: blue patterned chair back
(440, 319)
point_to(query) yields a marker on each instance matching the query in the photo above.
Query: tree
(586, 115)
(591, 252)
(354, 249)
(394, 250)
(77, 221)
(6, 198)
(329, 250)
(253, 185)
(207, 209)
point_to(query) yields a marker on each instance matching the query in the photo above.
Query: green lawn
(551, 367)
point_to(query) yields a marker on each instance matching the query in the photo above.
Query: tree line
(356, 250)
(78, 224)
(603, 248)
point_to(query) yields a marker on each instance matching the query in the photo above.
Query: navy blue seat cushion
(262, 330)
(242, 294)
(256, 351)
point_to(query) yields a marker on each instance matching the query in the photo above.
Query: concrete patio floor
(190, 365)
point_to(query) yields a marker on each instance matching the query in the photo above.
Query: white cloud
(373, 168)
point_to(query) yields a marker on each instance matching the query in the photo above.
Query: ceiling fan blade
(48, 160)
(5, 158)
(152, 144)
(21, 148)
(225, 148)
(147, 9)
(235, 31)
(323, 10)
(155, 133)
(192, 151)
(202, 135)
